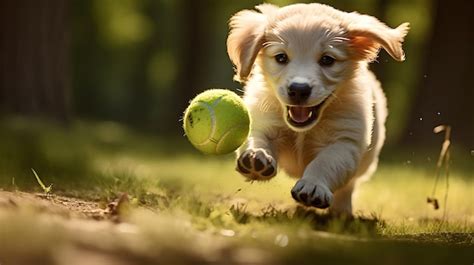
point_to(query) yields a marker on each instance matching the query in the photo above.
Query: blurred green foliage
(129, 56)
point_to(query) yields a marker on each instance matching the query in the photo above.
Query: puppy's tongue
(299, 114)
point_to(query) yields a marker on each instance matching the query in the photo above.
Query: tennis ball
(216, 122)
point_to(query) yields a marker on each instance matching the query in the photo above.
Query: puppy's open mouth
(301, 116)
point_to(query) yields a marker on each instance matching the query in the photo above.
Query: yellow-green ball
(216, 122)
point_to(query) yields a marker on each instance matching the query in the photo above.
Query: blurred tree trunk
(446, 91)
(141, 97)
(379, 68)
(193, 51)
(34, 66)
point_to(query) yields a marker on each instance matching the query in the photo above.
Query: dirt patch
(57, 230)
(53, 204)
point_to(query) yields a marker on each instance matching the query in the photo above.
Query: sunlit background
(136, 64)
(91, 97)
(140, 62)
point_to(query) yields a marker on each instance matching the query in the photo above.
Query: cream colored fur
(343, 144)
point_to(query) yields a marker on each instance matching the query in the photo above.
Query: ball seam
(210, 108)
(225, 134)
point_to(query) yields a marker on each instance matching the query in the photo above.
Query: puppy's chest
(294, 151)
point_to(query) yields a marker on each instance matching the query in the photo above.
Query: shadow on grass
(58, 158)
(316, 219)
(70, 157)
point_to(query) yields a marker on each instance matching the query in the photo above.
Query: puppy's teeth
(291, 114)
(310, 114)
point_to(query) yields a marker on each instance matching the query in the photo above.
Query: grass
(40, 182)
(188, 208)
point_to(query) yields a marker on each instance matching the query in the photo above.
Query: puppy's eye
(281, 58)
(326, 60)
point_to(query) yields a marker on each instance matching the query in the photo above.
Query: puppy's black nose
(299, 92)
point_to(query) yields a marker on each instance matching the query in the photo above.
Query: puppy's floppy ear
(246, 38)
(367, 34)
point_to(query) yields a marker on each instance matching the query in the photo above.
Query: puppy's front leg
(255, 159)
(331, 169)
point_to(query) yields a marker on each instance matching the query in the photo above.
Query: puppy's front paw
(256, 164)
(311, 194)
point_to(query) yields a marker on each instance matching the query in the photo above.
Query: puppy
(317, 111)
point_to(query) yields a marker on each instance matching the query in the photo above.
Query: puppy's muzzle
(298, 93)
(299, 114)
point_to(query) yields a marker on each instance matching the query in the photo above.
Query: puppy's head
(306, 52)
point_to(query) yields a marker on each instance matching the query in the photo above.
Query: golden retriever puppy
(318, 112)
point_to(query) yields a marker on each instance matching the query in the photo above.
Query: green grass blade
(40, 182)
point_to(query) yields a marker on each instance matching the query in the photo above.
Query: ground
(121, 197)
